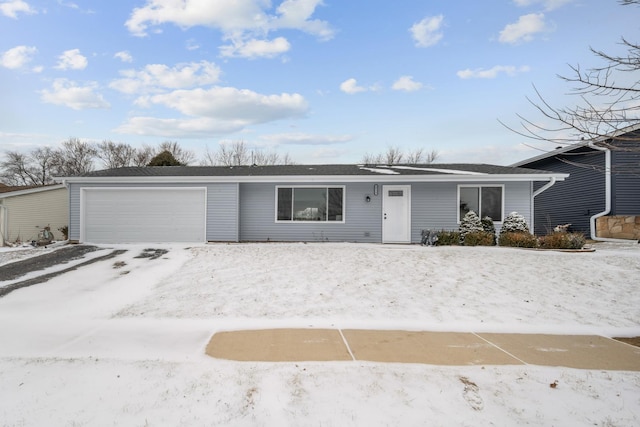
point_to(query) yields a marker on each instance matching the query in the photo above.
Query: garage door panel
(144, 215)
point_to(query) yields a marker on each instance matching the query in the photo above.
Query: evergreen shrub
(514, 222)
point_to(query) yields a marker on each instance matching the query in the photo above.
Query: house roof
(19, 190)
(578, 145)
(424, 172)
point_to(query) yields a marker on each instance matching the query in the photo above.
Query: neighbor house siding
(222, 204)
(362, 220)
(574, 200)
(625, 181)
(28, 213)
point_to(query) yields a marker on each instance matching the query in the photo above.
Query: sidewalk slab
(279, 345)
(434, 348)
(572, 351)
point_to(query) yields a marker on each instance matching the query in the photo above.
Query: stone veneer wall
(618, 227)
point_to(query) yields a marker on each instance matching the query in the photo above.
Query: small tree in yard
(470, 223)
(514, 222)
(515, 232)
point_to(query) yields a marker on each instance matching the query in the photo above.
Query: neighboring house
(26, 210)
(355, 203)
(601, 198)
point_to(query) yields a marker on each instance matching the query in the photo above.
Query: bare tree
(143, 155)
(115, 155)
(180, 154)
(75, 157)
(17, 169)
(238, 153)
(394, 156)
(608, 103)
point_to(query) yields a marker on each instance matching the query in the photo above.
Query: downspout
(4, 224)
(540, 190)
(607, 196)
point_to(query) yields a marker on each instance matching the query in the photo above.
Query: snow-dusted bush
(514, 222)
(470, 223)
(489, 227)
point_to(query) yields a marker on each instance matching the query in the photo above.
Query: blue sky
(324, 81)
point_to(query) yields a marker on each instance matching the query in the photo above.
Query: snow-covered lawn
(121, 342)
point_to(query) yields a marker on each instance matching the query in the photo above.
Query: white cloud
(157, 77)
(243, 21)
(350, 86)
(219, 110)
(124, 56)
(72, 60)
(68, 93)
(428, 31)
(548, 4)
(407, 84)
(12, 7)
(299, 138)
(17, 57)
(524, 29)
(492, 73)
(256, 48)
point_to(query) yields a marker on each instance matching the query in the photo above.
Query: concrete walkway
(434, 348)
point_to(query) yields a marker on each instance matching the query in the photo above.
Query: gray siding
(363, 222)
(625, 179)
(574, 200)
(222, 212)
(433, 206)
(222, 208)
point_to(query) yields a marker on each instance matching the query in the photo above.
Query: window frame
(321, 187)
(480, 187)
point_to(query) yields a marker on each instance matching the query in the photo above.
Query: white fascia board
(31, 191)
(319, 178)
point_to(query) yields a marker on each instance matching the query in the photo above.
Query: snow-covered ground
(121, 342)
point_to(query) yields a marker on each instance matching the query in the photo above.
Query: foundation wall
(618, 227)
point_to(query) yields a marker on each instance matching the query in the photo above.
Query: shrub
(470, 223)
(479, 238)
(560, 240)
(518, 239)
(448, 238)
(514, 222)
(65, 231)
(489, 227)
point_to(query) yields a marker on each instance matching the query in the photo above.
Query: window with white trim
(325, 204)
(485, 200)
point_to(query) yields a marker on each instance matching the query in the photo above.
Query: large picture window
(310, 203)
(483, 200)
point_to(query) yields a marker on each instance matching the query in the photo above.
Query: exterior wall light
(367, 199)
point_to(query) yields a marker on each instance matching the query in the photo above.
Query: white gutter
(607, 196)
(540, 190)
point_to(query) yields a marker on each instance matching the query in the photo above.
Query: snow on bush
(470, 223)
(514, 222)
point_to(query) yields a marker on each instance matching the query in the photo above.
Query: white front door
(396, 214)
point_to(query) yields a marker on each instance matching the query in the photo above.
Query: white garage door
(143, 215)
